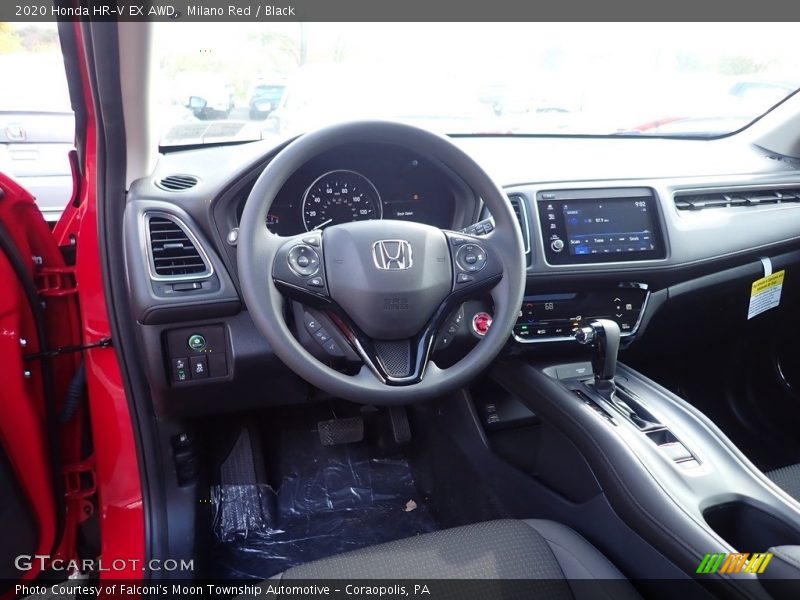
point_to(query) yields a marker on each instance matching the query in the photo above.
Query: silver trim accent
(313, 183)
(144, 231)
(569, 338)
(525, 225)
(384, 260)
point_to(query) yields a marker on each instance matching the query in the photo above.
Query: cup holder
(748, 528)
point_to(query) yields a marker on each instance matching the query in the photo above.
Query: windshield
(241, 81)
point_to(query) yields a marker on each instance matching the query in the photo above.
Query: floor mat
(327, 500)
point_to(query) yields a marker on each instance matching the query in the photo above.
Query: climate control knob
(557, 245)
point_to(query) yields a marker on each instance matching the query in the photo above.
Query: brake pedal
(341, 431)
(401, 430)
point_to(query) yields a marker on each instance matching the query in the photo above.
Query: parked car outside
(264, 98)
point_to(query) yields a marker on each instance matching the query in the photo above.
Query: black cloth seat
(788, 479)
(554, 555)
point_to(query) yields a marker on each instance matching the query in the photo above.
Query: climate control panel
(553, 317)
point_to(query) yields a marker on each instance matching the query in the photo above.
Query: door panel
(17, 522)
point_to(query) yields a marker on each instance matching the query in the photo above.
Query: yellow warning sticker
(765, 294)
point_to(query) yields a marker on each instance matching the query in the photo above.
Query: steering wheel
(388, 285)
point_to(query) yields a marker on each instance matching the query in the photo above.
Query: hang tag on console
(765, 293)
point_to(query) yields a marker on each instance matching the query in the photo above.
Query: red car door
(45, 469)
(72, 498)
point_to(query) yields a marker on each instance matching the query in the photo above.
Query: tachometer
(340, 197)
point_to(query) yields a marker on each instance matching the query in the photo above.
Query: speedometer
(340, 197)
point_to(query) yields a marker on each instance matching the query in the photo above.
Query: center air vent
(736, 198)
(174, 252)
(177, 183)
(518, 204)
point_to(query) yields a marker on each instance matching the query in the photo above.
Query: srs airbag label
(765, 294)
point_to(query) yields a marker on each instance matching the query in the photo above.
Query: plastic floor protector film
(330, 500)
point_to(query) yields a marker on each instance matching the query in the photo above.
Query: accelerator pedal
(401, 430)
(341, 431)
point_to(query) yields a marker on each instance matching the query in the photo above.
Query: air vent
(736, 198)
(174, 252)
(518, 204)
(177, 183)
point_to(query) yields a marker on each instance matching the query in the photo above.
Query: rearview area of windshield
(236, 82)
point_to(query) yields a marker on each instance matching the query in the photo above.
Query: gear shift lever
(605, 335)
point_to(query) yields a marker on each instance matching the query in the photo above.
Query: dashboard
(609, 232)
(361, 182)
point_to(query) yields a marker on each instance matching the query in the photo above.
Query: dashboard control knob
(233, 236)
(481, 322)
(557, 245)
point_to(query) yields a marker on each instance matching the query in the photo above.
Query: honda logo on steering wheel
(392, 255)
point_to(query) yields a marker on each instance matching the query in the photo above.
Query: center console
(667, 470)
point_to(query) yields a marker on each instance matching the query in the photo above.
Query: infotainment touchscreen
(600, 225)
(608, 226)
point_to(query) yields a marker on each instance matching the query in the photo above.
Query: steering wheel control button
(316, 282)
(198, 367)
(464, 278)
(471, 258)
(311, 241)
(322, 336)
(445, 341)
(180, 370)
(197, 342)
(312, 324)
(481, 323)
(332, 348)
(557, 245)
(458, 241)
(303, 260)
